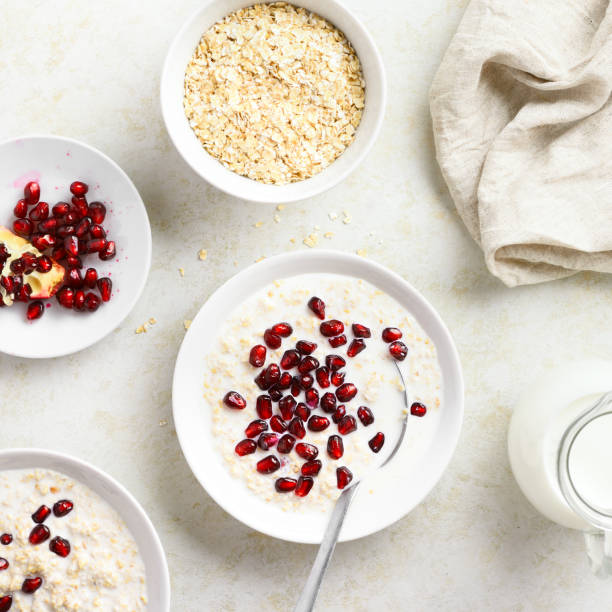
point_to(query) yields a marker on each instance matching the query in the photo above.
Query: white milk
(538, 424)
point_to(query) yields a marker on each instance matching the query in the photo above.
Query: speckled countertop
(91, 71)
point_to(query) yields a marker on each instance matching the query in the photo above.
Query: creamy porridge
(259, 439)
(63, 548)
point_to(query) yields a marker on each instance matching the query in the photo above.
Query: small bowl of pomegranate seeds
(75, 246)
(286, 391)
(71, 538)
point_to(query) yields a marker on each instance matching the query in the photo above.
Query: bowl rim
(454, 369)
(148, 239)
(135, 507)
(299, 193)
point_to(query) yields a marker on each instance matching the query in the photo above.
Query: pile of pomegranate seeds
(290, 385)
(40, 533)
(65, 234)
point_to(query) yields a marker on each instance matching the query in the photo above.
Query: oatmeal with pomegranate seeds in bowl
(303, 389)
(62, 547)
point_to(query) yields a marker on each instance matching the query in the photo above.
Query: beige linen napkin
(522, 117)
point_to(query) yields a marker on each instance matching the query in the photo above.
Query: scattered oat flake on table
(280, 207)
(152, 321)
(276, 218)
(259, 224)
(328, 235)
(260, 259)
(202, 254)
(274, 92)
(181, 271)
(311, 240)
(186, 324)
(333, 216)
(361, 252)
(163, 422)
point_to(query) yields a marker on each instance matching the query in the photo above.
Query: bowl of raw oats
(273, 102)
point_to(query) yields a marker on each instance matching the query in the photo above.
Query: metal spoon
(330, 538)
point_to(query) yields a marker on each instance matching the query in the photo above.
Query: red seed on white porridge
(297, 418)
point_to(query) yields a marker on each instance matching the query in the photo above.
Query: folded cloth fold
(522, 118)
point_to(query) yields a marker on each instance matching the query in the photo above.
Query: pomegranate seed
(391, 334)
(267, 441)
(79, 300)
(48, 226)
(268, 464)
(398, 350)
(96, 246)
(39, 534)
(272, 375)
(71, 218)
(62, 507)
(317, 305)
(275, 392)
(257, 356)
(254, 428)
(308, 364)
(418, 409)
(337, 378)
(312, 398)
(6, 601)
(335, 447)
(365, 415)
(260, 380)
(339, 413)
(21, 209)
(285, 444)
(65, 296)
(311, 468)
(35, 310)
(306, 451)
(82, 227)
(376, 443)
(97, 212)
(97, 231)
(61, 209)
(346, 392)
(6, 539)
(60, 546)
(264, 406)
(334, 362)
(43, 241)
(343, 477)
(285, 485)
(74, 278)
(234, 400)
(285, 381)
(78, 188)
(302, 411)
(39, 212)
(296, 427)
(295, 386)
(290, 359)
(79, 206)
(71, 244)
(23, 295)
(282, 329)
(271, 339)
(361, 331)
(277, 424)
(305, 347)
(31, 585)
(356, 347)
(65, 231)
(31, 192)
(23, 227)
(286, 407)
(347, 425)
(108, 252)
(91, 277)
(331, 328)
(304, 484)
(328, 402)
(43, 264)
(105, 286)
(4, 564)
(322, 375)
(18, 266)
(306, 381)
(245, 447)
(40, 516)
(4, 254)
(318, 423)
(337, 341)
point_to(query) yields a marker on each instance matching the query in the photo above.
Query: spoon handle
(313, 584)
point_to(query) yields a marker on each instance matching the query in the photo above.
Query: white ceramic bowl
(392, 498)
(55, 162)
(141, 528)
(187, 144)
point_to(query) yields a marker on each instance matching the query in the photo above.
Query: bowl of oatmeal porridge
(273, 102)
(285, 390)
(72, 538)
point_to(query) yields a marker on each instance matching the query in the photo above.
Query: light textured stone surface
(91, 71)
